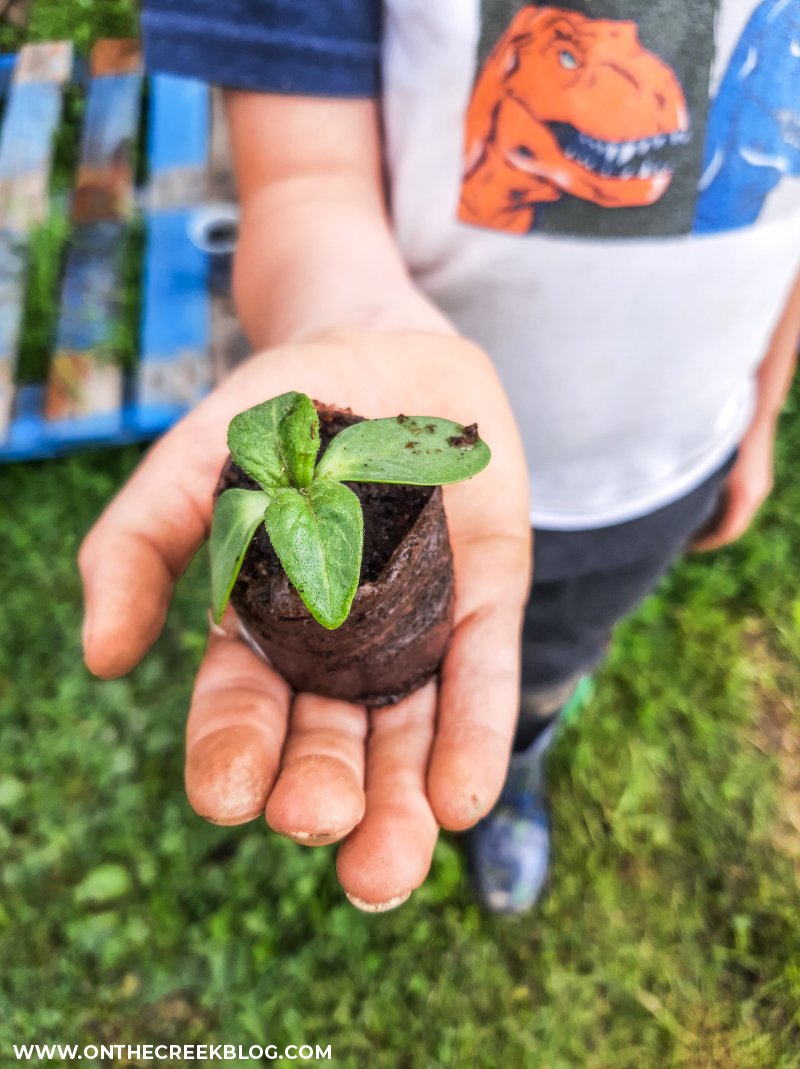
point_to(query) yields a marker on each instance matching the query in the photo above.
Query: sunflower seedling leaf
(318, 535)
(415, 450)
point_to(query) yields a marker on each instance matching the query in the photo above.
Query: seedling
(313, 520)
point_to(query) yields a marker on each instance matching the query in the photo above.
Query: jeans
(586, 581)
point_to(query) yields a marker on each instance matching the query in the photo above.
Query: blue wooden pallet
(87, 400)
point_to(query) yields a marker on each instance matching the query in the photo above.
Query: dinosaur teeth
(642, 157)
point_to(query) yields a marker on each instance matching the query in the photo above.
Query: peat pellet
(400, 621)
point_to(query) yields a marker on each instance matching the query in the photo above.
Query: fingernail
(378, 907)
(317, 836)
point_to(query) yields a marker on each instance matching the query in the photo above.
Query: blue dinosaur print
(753, 133)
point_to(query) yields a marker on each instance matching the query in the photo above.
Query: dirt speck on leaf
(467, 438)
(313, 431)
(401, 418)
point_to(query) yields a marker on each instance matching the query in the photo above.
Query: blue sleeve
(303, 47)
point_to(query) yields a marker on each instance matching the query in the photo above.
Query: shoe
(509, 850)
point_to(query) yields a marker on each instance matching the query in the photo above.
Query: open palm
(324, 770)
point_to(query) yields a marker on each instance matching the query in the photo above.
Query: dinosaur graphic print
(753, 131)
(569, 105)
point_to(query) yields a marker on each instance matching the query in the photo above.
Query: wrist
(323, 262)
(768, 407)
(764, 423)
(386, 313)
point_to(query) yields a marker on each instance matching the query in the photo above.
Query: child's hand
(746, 489)
(324, 770)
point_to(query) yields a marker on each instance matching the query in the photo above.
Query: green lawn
(670, 936)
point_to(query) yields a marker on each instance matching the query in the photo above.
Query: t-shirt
(605, 194)
(322, 47)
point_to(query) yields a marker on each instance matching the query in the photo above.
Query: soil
(468, 436)
(397, 632)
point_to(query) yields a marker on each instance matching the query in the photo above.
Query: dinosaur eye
(567, 60)
(523, 150)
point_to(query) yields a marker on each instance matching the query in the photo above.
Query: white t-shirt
(612, 209)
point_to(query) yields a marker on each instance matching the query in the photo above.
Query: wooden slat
(26, 142)
(85, 388)
(175, 366)
(26, 146)
(84, 394)
(104, 183)
(177, 140)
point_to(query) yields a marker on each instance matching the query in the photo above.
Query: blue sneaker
(509, 850)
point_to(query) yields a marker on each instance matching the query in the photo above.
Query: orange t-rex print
(569, 104)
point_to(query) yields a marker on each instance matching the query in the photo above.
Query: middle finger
(319, 795)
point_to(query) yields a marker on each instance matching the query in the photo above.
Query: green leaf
(236, 516)
(318, 535)
(417, 450)
(277, 442)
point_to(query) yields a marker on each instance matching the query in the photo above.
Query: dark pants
(586, 581)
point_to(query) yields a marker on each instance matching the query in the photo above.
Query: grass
(46, 250)
(671, 934)
(80, 21)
